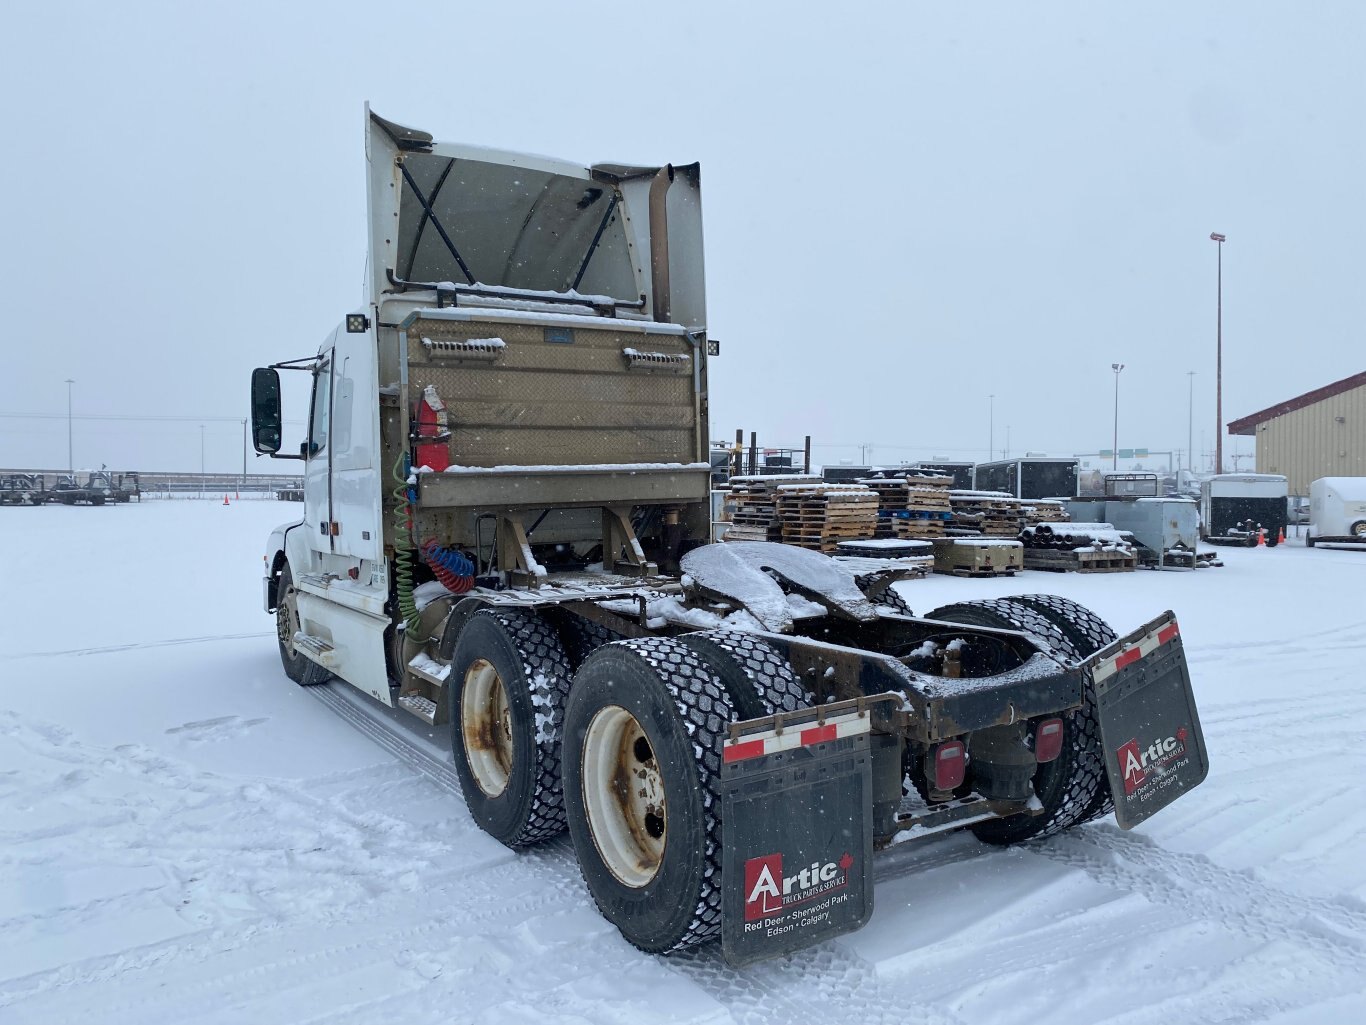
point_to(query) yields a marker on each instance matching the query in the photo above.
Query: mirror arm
(306, 363)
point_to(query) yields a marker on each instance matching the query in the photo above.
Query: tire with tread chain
(508, 682)
(1067, 787)
(298, 666)
(653, 710)
(759, 680)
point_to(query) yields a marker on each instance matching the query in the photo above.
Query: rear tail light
(949, 763)
(1048, 740)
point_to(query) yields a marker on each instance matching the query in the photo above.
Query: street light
(1114, 451)
(70, 461)
(1219, 240)
(991, 426)
(1190, 420)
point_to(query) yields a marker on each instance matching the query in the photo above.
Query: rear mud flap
(798, 827)
(1154, 748)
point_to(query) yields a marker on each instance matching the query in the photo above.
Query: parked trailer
(1034, 477)
(71, 489)
(505, 532)
(23, 489)
(1241, 508)
(1337, 511)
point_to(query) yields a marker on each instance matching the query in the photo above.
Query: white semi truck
(506, 532)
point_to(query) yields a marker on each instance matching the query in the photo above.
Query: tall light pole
(70, 460)
(201, 460)
(991, 425)
(1114, 451)
(1190, 419)
(1219, 352)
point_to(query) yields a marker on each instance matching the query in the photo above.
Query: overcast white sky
(908, 207)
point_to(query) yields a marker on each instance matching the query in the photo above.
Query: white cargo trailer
(1337, 510)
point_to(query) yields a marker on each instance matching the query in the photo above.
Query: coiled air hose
(403, 546)
(452, 568)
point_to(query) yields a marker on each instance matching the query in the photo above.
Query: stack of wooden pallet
(927, 505)
(756, 510)
(891, 499)
(985, 513)
(820, 516)
(914, 507)
(1042, 511)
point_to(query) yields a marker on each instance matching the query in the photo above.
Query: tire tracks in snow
(827, 981)
(1334, 930)
(261, 962)
(137, 646)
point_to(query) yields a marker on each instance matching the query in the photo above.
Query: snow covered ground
(186, 836)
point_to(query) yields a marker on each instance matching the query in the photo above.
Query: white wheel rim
(1359, 530)
(623, 794)
(486, 726)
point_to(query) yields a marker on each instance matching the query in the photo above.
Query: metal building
(1321, 433)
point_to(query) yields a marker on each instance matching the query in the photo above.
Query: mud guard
(798, 828)
(1154, 747)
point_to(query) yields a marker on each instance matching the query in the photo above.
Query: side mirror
(265, 410)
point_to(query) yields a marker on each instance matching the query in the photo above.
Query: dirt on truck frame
(505, 533)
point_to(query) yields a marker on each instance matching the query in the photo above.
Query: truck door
(318, 460)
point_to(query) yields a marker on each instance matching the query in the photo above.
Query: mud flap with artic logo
(797, 814)
(1154, 748)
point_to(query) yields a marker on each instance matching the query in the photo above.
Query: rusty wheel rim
(623, 793)
(486, 726)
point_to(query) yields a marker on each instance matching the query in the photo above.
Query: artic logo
(1136, 763)
(763, 886)
(769, 892)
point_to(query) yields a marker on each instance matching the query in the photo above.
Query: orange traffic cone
(1261, 537)
(225, 500)
(1281, 539)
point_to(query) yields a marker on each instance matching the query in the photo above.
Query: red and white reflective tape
(1146, 645)
(770, 742)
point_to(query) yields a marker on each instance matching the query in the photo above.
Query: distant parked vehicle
(95, 489)
(22, 489)
(1238, 508)
(1337, 510)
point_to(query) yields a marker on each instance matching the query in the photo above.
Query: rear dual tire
(508, 681)
(644, 726)
(1072, 788)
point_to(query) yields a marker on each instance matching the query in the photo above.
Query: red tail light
(949, 763)
(1048, 740)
